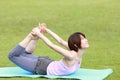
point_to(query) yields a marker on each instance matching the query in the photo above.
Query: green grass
(98, 19)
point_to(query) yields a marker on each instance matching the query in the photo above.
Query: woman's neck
(80, 52)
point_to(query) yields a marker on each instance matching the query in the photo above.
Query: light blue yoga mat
(83, 74)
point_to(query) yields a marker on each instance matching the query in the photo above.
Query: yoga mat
(82, 73)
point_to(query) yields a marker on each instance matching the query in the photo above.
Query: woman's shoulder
(73, 53)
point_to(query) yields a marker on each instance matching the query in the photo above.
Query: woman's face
(84, 42)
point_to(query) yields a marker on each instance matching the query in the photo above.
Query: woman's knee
(16, 52)
(10, 55)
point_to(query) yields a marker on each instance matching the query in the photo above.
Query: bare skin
(70, 56)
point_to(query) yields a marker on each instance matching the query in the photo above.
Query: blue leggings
(21, 58)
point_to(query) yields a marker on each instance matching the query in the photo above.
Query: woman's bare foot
(34, 36)
(43, 27)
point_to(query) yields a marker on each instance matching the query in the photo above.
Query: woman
(22, 55)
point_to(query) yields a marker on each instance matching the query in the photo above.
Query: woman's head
(77, 41)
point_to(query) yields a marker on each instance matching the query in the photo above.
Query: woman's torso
(59, 68)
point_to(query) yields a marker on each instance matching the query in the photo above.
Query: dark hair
(74, 41)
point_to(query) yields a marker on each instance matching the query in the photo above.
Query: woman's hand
(35, 32)
(38, 31)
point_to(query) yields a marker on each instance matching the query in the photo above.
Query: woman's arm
(57, 38)
(65, 53)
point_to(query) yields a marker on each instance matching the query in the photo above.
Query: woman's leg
(22, 59)
(31, 46)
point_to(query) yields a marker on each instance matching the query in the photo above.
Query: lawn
(98, 19)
